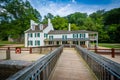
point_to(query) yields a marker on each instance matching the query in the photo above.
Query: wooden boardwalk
(71, 66)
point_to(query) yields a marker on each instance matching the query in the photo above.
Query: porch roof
(68, 39)
(69, 32)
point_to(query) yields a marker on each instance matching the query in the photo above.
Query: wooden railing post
(113, 53)
(51, 48)
(30, 50)
(40, 50)
(95, 49)
(8, 53)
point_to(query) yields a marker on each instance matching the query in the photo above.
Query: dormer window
(41, 26)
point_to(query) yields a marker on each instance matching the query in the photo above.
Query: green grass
(110, 45)
(7, 42)
(2, 43)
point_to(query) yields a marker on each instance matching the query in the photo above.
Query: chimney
(49, 21)
(32, 24)
(69, 27)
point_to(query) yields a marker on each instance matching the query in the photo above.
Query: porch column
(55, 42)
(79, 43)
(60, 42)
(86, 43)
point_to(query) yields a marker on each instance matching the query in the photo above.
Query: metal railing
(41, 69)
(103, 68)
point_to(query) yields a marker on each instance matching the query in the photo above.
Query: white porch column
(86, 43)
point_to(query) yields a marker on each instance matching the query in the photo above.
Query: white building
(43, 35)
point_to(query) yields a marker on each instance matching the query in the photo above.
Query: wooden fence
(111, 51)
(19, 50)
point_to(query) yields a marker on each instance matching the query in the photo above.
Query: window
(64, 37)
(30, 43)
(31, 35)
(38, 34)
(75, 35)
(35, 42)
(80, 35)
(50, 42)
(57, 42)
(38, 43)
(84, 35)
(45, 35)
(35, 34)
(28, 35)
(51, 37)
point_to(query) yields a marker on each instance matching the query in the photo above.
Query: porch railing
(103, 68)
(41, 69)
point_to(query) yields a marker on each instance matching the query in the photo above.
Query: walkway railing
(41, 69)
(103, 68)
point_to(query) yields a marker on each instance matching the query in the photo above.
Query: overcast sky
(66, 7)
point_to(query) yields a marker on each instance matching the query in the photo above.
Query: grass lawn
(2, 43)
(110, 45)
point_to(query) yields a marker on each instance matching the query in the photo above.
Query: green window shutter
(28, 35)
(73, 35)
(44, 35)
(77, 35)
(38, 43)
(84, 35)
(28, 43)
(80, 35)
(63, 37)
(35, 43)
(35, 34)
(31, 35)
(66, 37)
(31, 43)
(38, 34)
(51, 37)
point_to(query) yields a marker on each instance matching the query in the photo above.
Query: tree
(45, 20)
(77, 18)
(60, 23)
(16, 18)
(112, 24)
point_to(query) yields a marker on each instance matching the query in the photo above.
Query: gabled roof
(69, 32)
(37, 29)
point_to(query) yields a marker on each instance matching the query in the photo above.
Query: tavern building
(44, 35)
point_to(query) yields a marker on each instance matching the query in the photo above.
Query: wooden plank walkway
(71, 66)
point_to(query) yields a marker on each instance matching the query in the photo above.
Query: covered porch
(81, 42)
